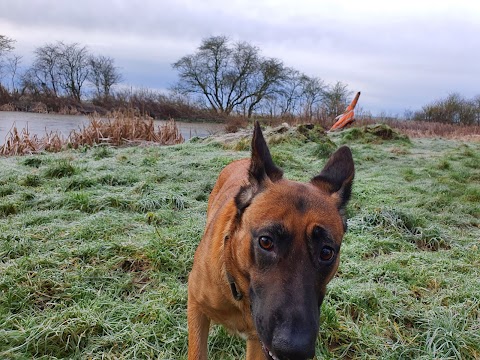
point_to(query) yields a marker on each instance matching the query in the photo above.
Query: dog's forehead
(296, 204)
(303, 197)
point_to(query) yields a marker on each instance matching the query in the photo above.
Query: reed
(7, 107)
(119, 128)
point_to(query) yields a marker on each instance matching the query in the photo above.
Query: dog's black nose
(294, 346)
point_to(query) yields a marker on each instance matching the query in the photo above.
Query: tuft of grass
(79, 183)
(404, 226)
(32, 180)
(8, 208)
(451, 333)
(60, 168)
(159, 201)
(324, 149)
(6, 190)
(118, 179)
(80, 201)
(32, 161)
(101, 152)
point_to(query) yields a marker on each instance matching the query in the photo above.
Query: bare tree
(6, 44)
(12, 65)
(270, 74)
(313, 90)
(476, 104)
(290, 92)
(335, 98)
(72, 68)
(29, 83)
(285, 99)
(228, 75)
(103, 75)
(44, 73)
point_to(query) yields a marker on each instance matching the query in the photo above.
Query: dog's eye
(327, 253)
(266, 243)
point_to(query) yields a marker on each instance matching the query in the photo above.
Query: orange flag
(347, 117)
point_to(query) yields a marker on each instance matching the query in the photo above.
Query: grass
(96, 245)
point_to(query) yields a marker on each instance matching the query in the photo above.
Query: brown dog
(270, 247)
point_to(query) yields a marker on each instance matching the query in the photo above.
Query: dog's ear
(262, 165)
(262, 169)
(337, 176)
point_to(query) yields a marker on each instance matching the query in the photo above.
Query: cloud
(399, 54)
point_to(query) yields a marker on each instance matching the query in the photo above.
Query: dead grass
(7, 107)
(419, 129)
(68, 110)
(124, 127)
(235, 123)
(39, 108)
(118, 128)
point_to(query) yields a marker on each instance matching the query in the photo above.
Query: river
(39, 124)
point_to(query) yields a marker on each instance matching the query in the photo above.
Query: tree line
(224, 76)
(454, 109)
(58, 69)
(234, 77)
(221, 77)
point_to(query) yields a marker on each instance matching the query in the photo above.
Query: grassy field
(96, 245)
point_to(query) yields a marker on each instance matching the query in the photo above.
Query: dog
(269, 249)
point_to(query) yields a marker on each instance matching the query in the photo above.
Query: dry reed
(7, 107)
(117, 129)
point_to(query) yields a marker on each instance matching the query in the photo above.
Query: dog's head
(291, 233)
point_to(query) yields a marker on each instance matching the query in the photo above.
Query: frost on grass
(96, 246)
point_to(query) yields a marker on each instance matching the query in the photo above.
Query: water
(40, 124)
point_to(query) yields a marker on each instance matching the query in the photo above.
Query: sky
(400, 54)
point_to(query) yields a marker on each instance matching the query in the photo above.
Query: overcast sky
(400, 54)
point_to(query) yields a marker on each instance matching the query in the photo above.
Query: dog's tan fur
(249, 194)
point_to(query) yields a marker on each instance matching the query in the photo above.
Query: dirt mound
(376, 133)
(280, 134)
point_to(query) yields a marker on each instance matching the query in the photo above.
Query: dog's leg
(198, 326)
(254, 350)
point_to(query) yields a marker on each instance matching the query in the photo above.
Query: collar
(237, 295)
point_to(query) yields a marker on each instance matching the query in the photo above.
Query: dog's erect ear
(261, 170)
(261, 163)
(337, 176)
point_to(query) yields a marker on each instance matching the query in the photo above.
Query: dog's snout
(296, 346)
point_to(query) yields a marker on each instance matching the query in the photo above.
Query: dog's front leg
(198, 327)
(254, 350)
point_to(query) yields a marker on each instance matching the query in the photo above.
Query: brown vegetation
(7, 107)
(120, 128)
(117, 129)
(454, 109)
(418, 129)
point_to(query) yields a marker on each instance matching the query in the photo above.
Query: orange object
(347, 117)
